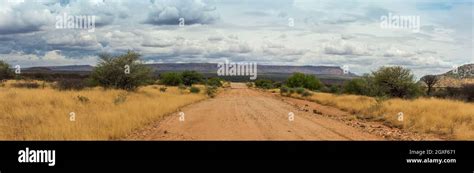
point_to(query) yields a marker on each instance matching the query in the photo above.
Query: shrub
(211, 91)
(264, 83)
(194, 89)
(306, 94)
(249, 84)
(214, 82)
(121, 98)
(291, 91)
(277, 84)
(305, 81)
(5, 71)
(354, 86)
(163, 89)
(111, 72)
(191, 77)
(171, 79)
(181, 87)
(335, 89)
(284, 90)
(83, 99)
(70, 84)
(299, 90)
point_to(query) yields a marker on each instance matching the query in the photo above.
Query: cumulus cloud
(395, 52)
(23, 17)
(325, 32)
(164, 12)
(51, 58)
(343, 47)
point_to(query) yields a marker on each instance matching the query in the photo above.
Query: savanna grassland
(45, 113)
(449, 118)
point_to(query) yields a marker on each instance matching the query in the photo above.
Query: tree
(355, 86)
(5, 71)
(430, 81)
(396, 82)
(121, 72)
(305, 81)
(171, 79)
(191, 77)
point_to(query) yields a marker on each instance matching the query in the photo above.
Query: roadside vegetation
(119, 96)
(385, 94)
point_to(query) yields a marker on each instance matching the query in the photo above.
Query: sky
(278, 32)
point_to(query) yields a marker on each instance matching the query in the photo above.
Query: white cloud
(164, 12)
(343, 47)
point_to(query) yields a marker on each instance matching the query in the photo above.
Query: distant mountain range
(329, 74)
(206, 68)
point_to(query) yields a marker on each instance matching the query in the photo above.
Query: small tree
(306, 81)
(430, 81)
(121, 72)
(396, 82)
(191, 77)
(5, 71)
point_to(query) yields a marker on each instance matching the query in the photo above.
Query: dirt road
(240, 113)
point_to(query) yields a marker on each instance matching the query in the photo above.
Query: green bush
(5, 71)
(214, 82)
(305, 81)
(111, 72)
(396, 82)
(335, 89)
(194, 89)
(299, 90)
(264, 83)
(191, 77)
(171, 79)
(306, 94)
(355, 86)
(284, 90)
(385, 82)
(291, 91)
(211, 91)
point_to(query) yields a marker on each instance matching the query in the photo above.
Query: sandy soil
(240, 113)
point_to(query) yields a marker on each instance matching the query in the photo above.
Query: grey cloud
(192, 11)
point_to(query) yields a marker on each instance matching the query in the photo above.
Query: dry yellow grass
(453, 119)
(44, 114)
